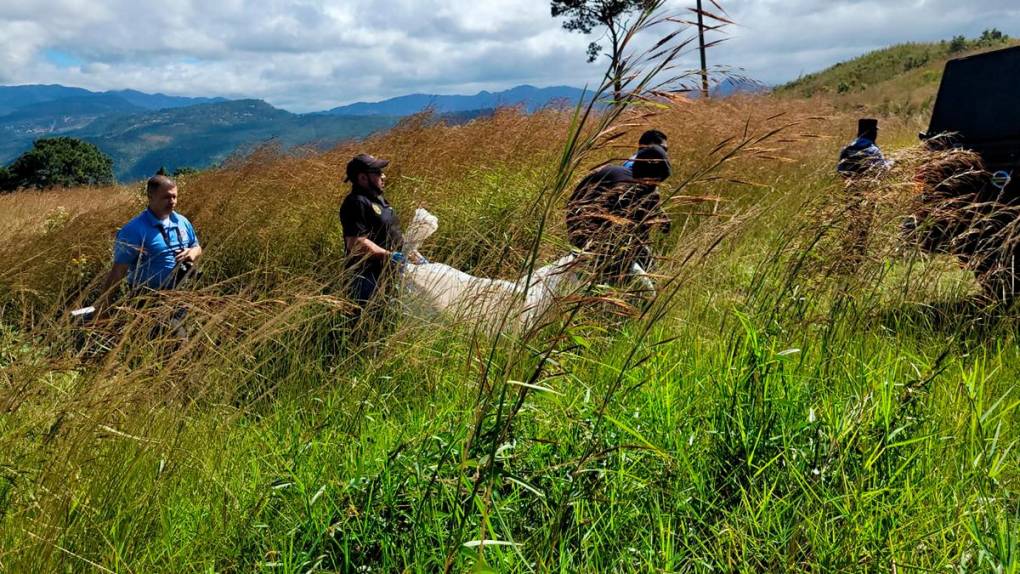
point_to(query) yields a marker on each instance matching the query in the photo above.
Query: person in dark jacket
(862, 155)
(612, 211)
(857, 160)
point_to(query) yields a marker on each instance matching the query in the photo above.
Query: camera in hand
(184, 270)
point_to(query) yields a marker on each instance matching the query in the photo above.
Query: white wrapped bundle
(421, 228)
(496, 304)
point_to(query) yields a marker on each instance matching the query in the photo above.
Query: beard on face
(376, 184)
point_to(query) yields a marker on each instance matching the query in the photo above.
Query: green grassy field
(770, 411)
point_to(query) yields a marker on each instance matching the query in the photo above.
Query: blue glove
(397, 257)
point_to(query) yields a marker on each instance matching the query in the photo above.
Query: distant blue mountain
(162, 101)
(140, 141)
(12, 98)
(91, 104)
(530, 97)
(737, 85)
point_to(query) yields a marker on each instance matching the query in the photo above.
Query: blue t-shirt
(149, 247)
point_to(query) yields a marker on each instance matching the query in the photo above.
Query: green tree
(585, 16)
(60, 162)
(5, 176)
(958, 44)
(184, 171)
(993, 36)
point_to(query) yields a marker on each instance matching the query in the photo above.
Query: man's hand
(188, 255)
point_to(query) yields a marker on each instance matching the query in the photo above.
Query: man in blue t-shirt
(157, 248)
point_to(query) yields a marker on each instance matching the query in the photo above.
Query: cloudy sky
(305, 55)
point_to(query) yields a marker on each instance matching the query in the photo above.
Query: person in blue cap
(157, 249)
(371, 228)
(863, 154)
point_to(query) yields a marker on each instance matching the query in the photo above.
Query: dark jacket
(609, 204)
(860, 156)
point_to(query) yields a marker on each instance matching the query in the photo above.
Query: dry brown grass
(270, 217)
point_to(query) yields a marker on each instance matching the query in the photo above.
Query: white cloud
(314, 54)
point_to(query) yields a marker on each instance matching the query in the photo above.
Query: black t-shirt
(367, 214)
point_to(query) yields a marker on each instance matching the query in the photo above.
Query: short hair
(158, 183)
(652, 137)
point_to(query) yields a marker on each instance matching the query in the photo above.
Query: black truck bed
(979, 103)
(979, 98)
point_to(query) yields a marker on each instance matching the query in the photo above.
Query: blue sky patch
(61, 59)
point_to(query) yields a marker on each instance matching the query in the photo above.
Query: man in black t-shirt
(371, 228)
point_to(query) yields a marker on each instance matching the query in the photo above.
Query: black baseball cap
(365, 163)
(652, 162)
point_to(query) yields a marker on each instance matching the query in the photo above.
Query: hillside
(141, 141)
(204, 135)
(14, 97)
(900, 80)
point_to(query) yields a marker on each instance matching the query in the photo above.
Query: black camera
(184, 271)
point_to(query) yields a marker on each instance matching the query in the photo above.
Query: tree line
(58, 162)
(64, 162)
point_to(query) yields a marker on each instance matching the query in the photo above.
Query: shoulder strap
(166, 235)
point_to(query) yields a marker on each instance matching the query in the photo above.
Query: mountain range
(15, 97)
(143, 132)
(530, 97)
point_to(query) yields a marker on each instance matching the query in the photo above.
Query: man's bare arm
(117, 274)
(365, 247)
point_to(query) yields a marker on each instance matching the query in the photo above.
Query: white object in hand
(495, 303)
(83, 312)
(421, 228)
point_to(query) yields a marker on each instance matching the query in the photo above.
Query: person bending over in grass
(612, 212)
(650, 137)
(371, 229)
(157, 249)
